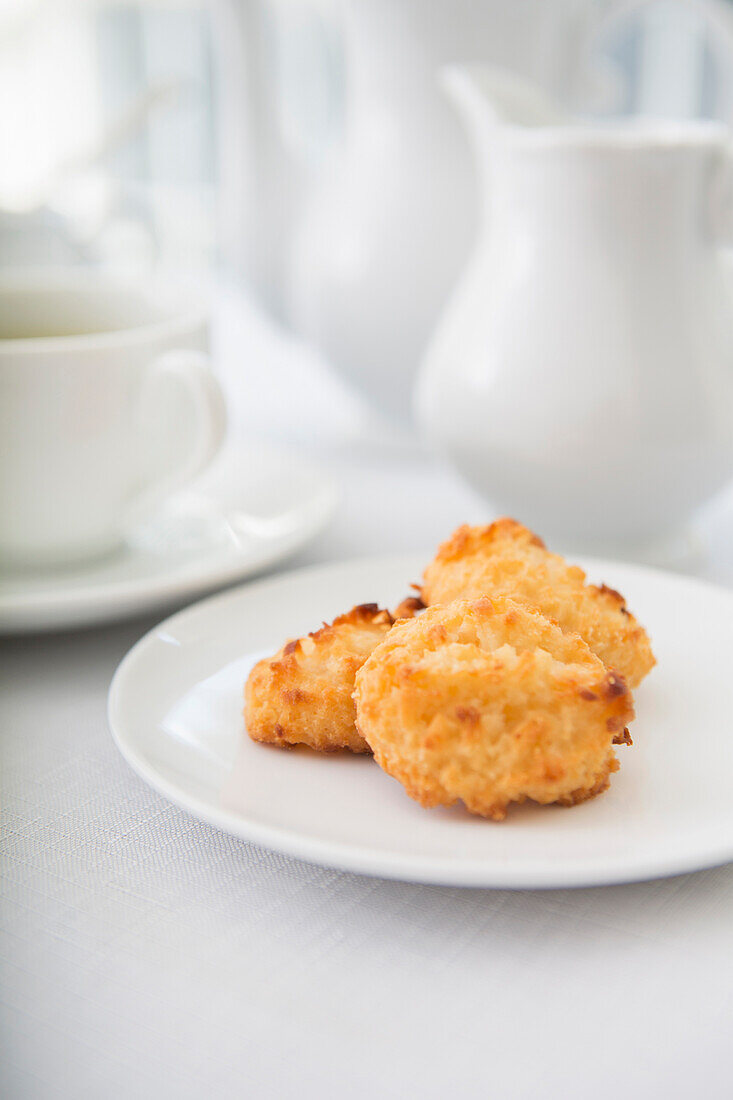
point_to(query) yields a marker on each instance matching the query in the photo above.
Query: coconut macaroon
(488, 702)
(303, 695)
(505, 558)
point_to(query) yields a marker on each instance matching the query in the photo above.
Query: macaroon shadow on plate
(175, 709)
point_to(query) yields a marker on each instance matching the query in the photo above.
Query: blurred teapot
(389, 223)
(582, 375)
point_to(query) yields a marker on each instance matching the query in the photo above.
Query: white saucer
(175, 710)
(252, 509)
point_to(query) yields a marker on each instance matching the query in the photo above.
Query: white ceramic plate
(175, 710)
(252, 509)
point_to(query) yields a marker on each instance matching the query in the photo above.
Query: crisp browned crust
(488, 702)
(303, 695)
(409, 607)
(506, 558)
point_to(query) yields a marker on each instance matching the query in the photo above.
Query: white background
(146, 955)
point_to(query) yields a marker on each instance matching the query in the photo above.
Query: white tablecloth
(144, 954)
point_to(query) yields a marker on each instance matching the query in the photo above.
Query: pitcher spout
(490, 99)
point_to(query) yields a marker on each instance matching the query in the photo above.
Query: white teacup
(107, 404)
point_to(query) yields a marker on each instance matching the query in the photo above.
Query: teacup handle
(182, 423)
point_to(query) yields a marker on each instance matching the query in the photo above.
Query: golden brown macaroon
(505, 558)
(488, 702)
(303, 695)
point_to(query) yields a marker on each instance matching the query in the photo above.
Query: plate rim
(355, 859)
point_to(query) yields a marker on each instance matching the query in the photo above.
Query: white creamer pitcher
(582, 375)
